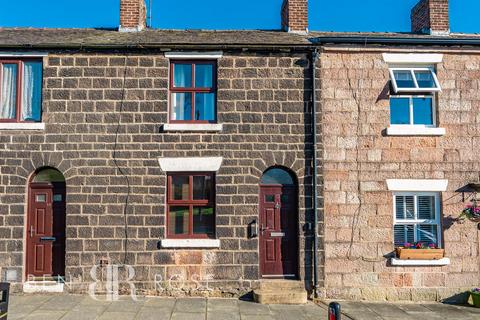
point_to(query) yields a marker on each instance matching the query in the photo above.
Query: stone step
(294, 296)
(279, 285)
(42, 286)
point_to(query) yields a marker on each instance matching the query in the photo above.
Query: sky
(324, 15)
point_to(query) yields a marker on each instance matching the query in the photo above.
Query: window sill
(414, 131)
(407, 263)
(194, 127)
(22, 126)
(190, 243)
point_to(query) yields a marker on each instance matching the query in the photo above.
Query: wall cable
(119, 168)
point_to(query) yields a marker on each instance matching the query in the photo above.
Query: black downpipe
(315, 173)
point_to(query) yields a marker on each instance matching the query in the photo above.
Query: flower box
(419, 254)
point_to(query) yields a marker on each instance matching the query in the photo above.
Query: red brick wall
(431, 15)
(295, 15)
(132, 14)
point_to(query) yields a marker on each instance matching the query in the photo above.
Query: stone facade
(359, 157)
(263, 104)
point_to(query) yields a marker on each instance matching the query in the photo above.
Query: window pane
(32, 91)
(205, 106)
(8, 93)
(202, 186)
(399, 110)
(203, 75)
(203, 220)
(425, 79)
(277, 176)
(404, 207)
(400, 207)
(422, 111)
(427, 234)
(178, 219)
(41, 198)
(403, 234)
(180, 188)
(404, 79)
(182, 75)
(426, 207)
(181, 106)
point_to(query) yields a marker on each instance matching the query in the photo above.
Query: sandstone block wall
(359, 157)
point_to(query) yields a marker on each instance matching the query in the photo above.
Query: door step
(42, 286)
(280, 292)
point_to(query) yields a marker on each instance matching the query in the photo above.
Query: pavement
(407, 311)
(78, 307)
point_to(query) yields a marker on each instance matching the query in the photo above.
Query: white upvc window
(414, 79)
(413, 110)
(416, 218)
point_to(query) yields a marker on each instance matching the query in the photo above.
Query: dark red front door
(45, 231)
(278, 232)
(39, 229)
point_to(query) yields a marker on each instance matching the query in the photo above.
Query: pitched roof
(41, 38)
(96, 38)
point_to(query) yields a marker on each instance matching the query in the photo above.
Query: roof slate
(38, 38)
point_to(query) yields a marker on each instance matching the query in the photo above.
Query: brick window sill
(193, 127)
(190, 243)
(22, 126)
(419, 263)
(407, 130)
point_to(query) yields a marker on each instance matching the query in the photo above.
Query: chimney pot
(431, 17)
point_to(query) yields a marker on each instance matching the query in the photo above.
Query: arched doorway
(46, 222)
(278, 219)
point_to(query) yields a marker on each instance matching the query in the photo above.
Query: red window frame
(190, 203)
(18, 104)
(192, 90)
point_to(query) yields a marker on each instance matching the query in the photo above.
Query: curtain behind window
(32, 91)
(8, 92)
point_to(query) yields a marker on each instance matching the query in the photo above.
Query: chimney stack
(295, 16)
(431, 17)
(133, 15)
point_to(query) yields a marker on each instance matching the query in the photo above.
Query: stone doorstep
(280, 292)
(280, 297)
(42, 286)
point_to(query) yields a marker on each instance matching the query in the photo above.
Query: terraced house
(192, 162)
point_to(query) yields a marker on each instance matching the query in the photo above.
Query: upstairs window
(20, 90)
(191, 205)
(417, 218)
(413, 100)
(412, 110)
(414, 80)
(193, 91)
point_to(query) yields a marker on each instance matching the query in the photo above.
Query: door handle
(277, 205)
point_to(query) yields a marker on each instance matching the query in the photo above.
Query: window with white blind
(417, 218)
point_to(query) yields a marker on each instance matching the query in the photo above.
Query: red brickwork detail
(431, 15)
(295, 15)
(132, 14)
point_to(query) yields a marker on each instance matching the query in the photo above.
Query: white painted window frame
(410, 110)
(412, 58)
(189, 243)
(412, 71)
(22, 126)
(192, 127)
(415, 222)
